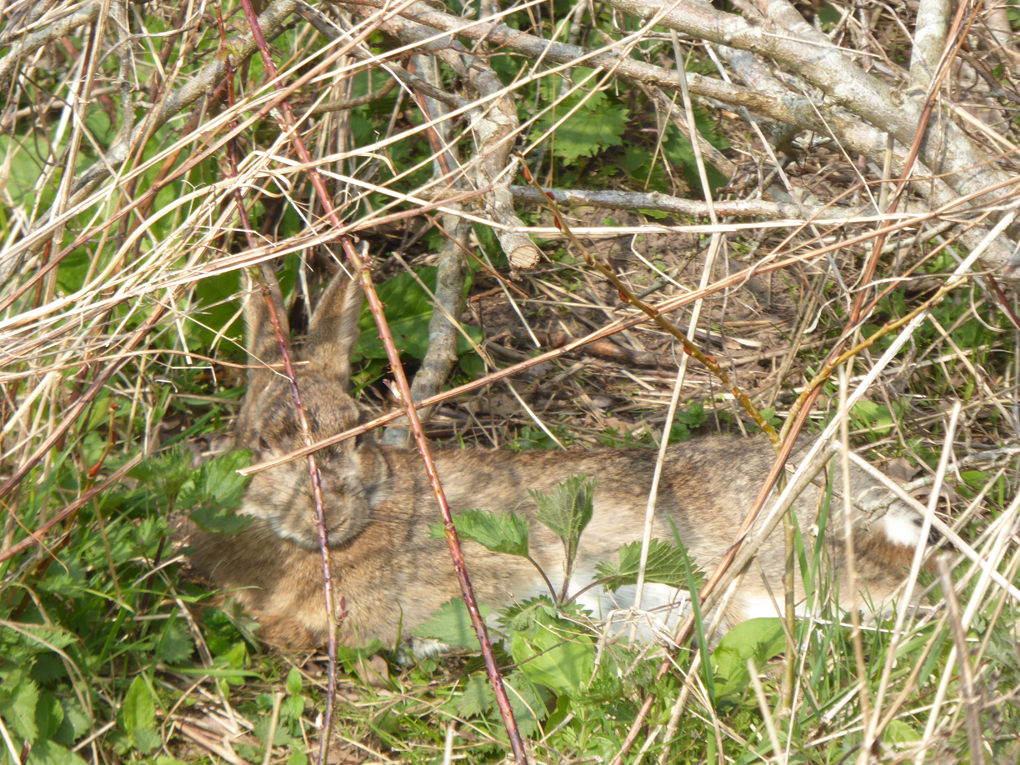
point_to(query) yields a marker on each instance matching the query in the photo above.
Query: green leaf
(408, 311)
(138, 715)
(294, 681)
(758, 639)
(554, 655)
(567, 509)
(18, 708)
(677, 149)
(167, 472)
(665, 566)
(478, 697)
(220, 521)
(176, 645)
(146, 739)
(527, 701)
(281, 737)
(900, 734)
(49, 715)
(594, 125)
(501, 533)
(218, 481)
(49, 753)
(451, 625)
(215, 491)
(74, 723)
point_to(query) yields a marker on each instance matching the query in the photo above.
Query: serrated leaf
(665, 566)
(146, 739)
(167, 473)
(554, 655)
(451, 625)
(19, 709)
(219, 520)
(501, 533)
(595, 125)
(567, 509)
(138, 712)
(521, 617)
(219, 479)
(606, 685)
(408, 311)
(478, 697)
(281, 737)
(49, 753)
(527, 701)
(176, 645)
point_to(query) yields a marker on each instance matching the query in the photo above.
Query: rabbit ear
(263, 344)
(334, 330)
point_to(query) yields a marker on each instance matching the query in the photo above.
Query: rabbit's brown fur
(392, 576)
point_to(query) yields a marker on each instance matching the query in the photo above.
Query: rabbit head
(269, 423)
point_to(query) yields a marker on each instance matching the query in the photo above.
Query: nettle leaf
(596, 125)
(216, 491)
(218, 480)
(567, 509)
(526, 700)
(478, 697)
(18, 707)
(167, 472)
(501, 533)
(451, 625)
(554, 655)
(146, 739)
(520, 617)
(281, 736)
(220, 521)
(665, 566)
(176, 644)
(408, 309)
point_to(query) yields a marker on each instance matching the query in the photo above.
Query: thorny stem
(320, 525)
(376, 307)
(452, 540)
(306, 436)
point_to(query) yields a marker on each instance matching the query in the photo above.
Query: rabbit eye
(263, 444)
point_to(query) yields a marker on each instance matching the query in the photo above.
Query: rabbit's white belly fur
(661, 609)
(901, 528)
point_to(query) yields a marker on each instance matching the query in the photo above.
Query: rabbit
(392, 575)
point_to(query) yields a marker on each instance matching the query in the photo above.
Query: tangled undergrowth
(842, 215)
